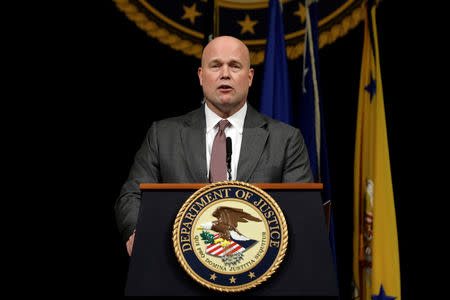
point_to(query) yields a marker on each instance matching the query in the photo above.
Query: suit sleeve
(296, 167)
(144, 169)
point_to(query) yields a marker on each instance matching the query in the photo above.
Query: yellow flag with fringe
(376, 263)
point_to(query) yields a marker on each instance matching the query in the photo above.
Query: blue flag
(311, 120)
(276, 90)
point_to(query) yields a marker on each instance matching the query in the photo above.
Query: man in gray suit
(178, 150)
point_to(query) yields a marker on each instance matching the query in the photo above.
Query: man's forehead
(224, 50)
(225, 54)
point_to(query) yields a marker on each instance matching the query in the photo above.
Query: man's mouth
(225, 88)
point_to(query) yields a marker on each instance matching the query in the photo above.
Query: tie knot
(223, 124)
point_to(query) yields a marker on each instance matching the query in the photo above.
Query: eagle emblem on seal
(227, 242)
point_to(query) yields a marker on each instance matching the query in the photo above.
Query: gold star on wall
(301, 12)
(213, 277)
(247, 25)
(251, 275)
(191, 13)
(232, 279)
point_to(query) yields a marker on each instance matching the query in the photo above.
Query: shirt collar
(236, 120)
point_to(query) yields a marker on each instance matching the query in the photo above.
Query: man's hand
(130, 243)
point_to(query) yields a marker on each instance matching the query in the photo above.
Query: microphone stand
(229, 152)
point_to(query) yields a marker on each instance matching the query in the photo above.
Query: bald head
(225, 75)
(228, 42)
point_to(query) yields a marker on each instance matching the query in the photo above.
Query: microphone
(229, 152)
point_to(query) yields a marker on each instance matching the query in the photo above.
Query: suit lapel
(192, 136)
(253, 143)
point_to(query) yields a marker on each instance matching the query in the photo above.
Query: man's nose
(225, 72)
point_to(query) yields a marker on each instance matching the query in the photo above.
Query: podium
(307, 269)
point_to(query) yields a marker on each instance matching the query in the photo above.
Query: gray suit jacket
(174, 151)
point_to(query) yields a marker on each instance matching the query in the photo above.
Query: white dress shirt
(234, 131)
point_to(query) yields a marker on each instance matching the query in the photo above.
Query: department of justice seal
(230, 236)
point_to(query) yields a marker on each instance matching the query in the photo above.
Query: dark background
(109, 81)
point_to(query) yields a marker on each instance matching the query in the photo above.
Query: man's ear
(199, 73)
(251, 72)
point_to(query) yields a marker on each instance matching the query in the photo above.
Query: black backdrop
(114, 81)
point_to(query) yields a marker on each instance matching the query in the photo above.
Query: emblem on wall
(183, 25)
(230, 236)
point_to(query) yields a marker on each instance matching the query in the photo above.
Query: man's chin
(225, 107)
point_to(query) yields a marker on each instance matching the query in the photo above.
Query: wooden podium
(307, 269)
